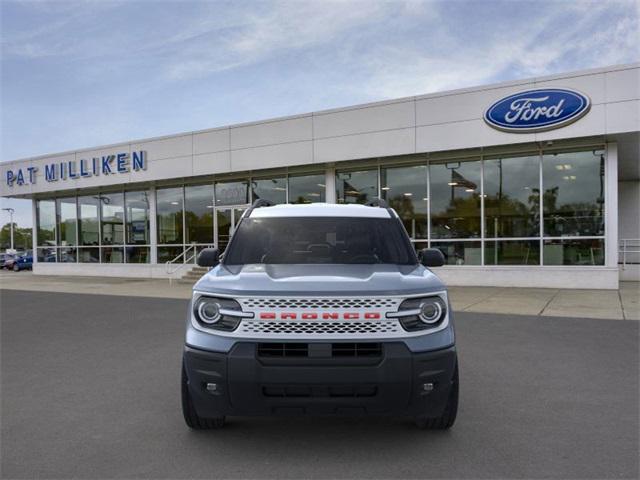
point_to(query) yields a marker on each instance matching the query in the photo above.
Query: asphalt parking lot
(90, 389)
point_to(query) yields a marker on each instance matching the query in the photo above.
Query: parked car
(320, 309)
(23, 262)
(7, 262)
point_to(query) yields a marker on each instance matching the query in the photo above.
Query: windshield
(328, 240)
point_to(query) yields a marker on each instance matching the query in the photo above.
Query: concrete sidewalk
(623, 304)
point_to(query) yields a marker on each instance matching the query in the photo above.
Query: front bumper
(383, 379)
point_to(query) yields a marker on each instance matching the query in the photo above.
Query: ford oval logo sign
(537, 110)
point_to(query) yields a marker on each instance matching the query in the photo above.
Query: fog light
(212, 387)
(427, 387)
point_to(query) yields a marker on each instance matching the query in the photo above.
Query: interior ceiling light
(452, 184)
(408, 194)
(386, 188)
(469, 190)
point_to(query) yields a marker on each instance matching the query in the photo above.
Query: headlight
(218, 313)
(421, 313)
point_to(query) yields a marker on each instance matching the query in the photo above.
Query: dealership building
(529, 183)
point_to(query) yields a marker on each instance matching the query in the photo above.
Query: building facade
(526, 183)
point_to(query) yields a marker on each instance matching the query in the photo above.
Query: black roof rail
(261, 202)
(377, 202)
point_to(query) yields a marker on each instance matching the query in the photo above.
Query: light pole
(11, 212)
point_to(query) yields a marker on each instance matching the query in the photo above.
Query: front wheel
(448, 417)
(16, 268)
(191, 417)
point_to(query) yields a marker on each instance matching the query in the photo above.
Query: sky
(86, 73)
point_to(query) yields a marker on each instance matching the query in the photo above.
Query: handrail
(625, 246)
(186, 260)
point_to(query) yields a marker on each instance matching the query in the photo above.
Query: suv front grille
(350, 350)
(291, 329)
(319, 303)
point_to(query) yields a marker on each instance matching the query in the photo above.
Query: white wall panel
(623, 85)
(286, 154)
(592, 85)
(212, 141)
(378, 144)
(165, 169)
(208, 163)
(166, 147)
(623, 116)
(456, 108)
(593, 123)
(469, 134)
(361, 120)
(271, 133)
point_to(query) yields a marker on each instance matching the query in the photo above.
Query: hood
(313, 279)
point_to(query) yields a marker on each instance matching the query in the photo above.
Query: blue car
(23, 262)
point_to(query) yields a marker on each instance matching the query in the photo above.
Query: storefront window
(405, 189)
(46, 222)
(88, 226)
(573, 199)
(67, 221)
(198, 213)
(137, 254)
(232, 193)
(357, 187)
(166, 254)
(169, 207)
(271, 189)
(512, 197)
(512, 252)
(137, 218)
(574, 252)
(307, 188)
(455, 200)
(89, 255)
(112, 218)
(460, 253)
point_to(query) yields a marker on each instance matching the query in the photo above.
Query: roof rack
(377, 202)
(261, 202)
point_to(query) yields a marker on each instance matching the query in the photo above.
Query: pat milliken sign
(115, 164)
(537, 110)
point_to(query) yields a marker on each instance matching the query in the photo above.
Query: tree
(21, 237)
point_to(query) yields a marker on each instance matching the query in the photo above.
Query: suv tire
(191, 417)
(448, 417)
(16, 268)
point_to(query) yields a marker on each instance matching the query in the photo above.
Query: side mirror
(208, 257)
(431, 257)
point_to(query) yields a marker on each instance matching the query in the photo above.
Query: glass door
(227, 219)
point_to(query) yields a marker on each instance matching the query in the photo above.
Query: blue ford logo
(537, 110)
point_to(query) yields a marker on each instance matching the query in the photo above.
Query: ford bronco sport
(320, 309)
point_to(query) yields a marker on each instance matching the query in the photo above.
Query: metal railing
(627, 249)
(189, 256)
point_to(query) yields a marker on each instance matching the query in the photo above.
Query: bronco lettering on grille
(323, 316)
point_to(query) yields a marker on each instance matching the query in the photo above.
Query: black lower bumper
(318, 379)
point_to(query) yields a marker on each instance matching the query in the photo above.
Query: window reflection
(198, 213)
(67, 213)
(46, 218)
(137, 217)
(460, 253)
(573, 198)
(455, 199)
(574, 252)
(512, 197)
(512, 252)
(357, 187)
(232, 193)
(307, 188)
(271, 189)
(405, 189)
(169, 207)
(112, 218)
(88, 227)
